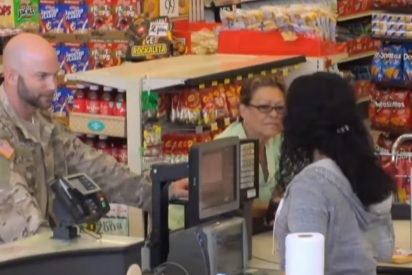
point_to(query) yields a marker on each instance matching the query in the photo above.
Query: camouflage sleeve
(20, 215)
(118, 183)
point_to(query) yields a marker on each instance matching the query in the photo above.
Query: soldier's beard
(38, 102)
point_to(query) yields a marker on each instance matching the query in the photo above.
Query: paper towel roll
(305, 254)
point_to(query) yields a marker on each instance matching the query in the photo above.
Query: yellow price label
(213, 126)
(227, 121)
(239, 78)
(274, 71)
(263, 73)
(250, 75)
(202, 86)
(285, 72)
(227, 81)
(214, 83)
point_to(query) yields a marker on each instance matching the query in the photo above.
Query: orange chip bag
(219, 96)
(400, 105)
(232, 100)
(208, 106)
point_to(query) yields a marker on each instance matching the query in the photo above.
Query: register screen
(217, 178)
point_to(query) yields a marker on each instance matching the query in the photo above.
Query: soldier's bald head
(26, 50)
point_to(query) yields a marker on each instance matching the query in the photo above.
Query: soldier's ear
(10, 76)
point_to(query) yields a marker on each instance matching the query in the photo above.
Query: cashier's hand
(180, 189)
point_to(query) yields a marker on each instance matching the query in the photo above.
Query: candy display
(149, 39)
(297, 18)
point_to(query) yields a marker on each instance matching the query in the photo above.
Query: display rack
(169, 72)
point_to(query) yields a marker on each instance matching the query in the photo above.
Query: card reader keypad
(247, 165)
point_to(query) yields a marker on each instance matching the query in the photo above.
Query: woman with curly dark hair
(333, 182)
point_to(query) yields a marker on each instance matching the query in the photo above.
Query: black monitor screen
(217, 178)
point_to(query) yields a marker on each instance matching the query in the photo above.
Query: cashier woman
(262, 105)
(34, 151)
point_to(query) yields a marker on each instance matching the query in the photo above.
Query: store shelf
(355, 16)
(357, 57)
(184, 70)
(393, 39)
(167, 72)
(393, 85)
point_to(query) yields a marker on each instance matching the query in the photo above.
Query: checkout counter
(217, 239)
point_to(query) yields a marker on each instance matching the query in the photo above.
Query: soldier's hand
(180, 188)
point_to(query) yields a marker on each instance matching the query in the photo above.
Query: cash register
(222, 173)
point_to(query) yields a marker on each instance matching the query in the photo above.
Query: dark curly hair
(318, 106)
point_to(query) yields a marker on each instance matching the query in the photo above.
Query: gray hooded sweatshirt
(320, 199)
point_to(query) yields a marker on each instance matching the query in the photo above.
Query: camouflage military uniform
(44, 151)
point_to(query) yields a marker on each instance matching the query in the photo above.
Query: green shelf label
(96, 126)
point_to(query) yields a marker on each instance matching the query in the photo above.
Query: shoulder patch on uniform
(6, 150)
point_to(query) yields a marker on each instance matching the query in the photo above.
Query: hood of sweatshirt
(365, 216)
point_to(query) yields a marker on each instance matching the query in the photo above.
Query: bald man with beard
(34, 151)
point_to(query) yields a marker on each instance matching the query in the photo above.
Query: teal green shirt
(176, 212)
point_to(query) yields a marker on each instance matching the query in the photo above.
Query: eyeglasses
(266, 109)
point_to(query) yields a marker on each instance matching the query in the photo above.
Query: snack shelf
(394, 85)
(355, 16)
(174, 71)
(357, 56)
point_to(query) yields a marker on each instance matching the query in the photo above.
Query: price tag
(250, 75)
(239, 78)
(227, 121)
(201, 86)
(214, 83)
(213, 126)
(274, 71)
(227, 81)
(169, 8)
(285, 72)
(263, 73)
